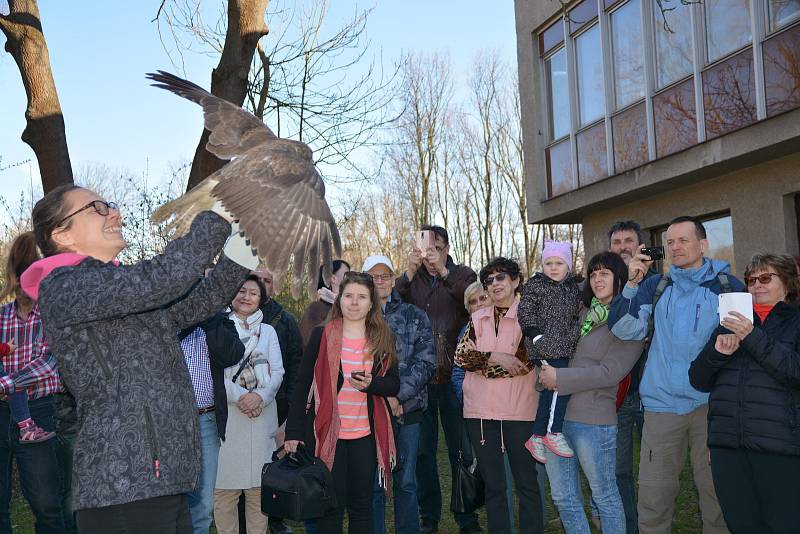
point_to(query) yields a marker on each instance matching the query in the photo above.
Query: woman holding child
(600, 361)
(500, 399)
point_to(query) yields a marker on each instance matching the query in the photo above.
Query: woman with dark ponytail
(29, 381)
(113, 331)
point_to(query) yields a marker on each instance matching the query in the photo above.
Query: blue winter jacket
(416, 354)
(685, 318)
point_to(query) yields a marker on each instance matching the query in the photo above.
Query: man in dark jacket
(434, 283)
(417, 362)
(209, 347)
(291, 344)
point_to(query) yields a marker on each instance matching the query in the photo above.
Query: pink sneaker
(558, 444)
(536, 448)
(30, 432)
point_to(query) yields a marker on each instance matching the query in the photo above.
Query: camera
(655, 253)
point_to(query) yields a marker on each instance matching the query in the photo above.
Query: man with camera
(436, 284)
(683, 306)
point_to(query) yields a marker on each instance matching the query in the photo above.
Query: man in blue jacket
(675, 414)
(417, 360)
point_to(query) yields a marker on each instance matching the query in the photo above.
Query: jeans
(64, 447)
(404, 485)
(758, 491)
(18, 401)
(629, 415)
(595, 451)
(168, 514)
(489, 439)
(354, 466)
(201, 500)
(442, 402)
(37, 463)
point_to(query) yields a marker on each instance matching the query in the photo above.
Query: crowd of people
(148, 397)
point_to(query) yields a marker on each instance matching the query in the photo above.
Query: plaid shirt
(32, 359)
(195, 350)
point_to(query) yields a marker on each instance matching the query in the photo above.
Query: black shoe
(428, 526)
(279, 527)
(472, 528)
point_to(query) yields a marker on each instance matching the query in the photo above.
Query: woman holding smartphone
(351, 365)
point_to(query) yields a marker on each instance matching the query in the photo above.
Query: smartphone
(359, 374)
(425, 239)
(655, 253)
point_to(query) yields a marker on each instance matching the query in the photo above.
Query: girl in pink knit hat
(548, 315)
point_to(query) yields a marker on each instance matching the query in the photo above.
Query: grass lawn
(686, 520)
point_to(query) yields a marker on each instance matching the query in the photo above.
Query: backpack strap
(665, 281)
(725, 283)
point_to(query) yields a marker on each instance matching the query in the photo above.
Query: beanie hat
(558, 249)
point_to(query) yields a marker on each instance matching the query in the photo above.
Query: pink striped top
(353, 403)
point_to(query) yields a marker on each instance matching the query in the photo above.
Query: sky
(100, 51)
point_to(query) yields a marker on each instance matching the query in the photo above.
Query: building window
(675, 115)
(673, 38)
(630, 138)
(627, 53)
(783, 12)
(782, 71)
(559, 169)
(589, 56)
(729, 95)
(558, 94)
(592, 158)
(727, 27)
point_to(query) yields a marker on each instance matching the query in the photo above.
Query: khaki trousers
(665, 440)
(226, 513)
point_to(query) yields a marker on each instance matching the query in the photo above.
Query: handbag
(468, 487)
(297, 487)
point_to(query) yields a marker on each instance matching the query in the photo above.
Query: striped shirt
(32, 352)
(195, 350)
(353, 411)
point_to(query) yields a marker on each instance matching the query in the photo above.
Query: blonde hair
(472, 289)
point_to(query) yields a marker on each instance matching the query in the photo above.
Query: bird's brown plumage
(269, 184)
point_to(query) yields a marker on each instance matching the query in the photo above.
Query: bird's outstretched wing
(271, 186)
(233, 130)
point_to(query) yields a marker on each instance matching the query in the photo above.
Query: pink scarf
(327, 422)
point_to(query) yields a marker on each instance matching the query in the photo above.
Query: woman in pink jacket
(500, 399)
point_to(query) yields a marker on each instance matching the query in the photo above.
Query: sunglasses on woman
(491, 279)
(478, 300)
(100, 206)
(765, 279)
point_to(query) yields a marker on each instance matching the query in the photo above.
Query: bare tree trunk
(229, 79)
(45, 123)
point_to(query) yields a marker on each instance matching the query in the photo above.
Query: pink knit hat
(559, 249)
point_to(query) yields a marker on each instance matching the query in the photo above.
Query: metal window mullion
(648, 39)
(698, 56)
(574, 115)
(608, 82)
(758, 21)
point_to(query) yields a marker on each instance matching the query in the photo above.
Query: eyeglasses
(382, 277)
(100, 206)
(765, 279)
(478, 300)
(491, 279)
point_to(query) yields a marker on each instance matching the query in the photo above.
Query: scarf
(597, 316)
(326, 421)
(326, 295)
(249, 331)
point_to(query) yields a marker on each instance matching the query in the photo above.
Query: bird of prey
(270, 185)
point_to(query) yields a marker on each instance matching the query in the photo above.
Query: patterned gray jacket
(113, 331)
(550, 309)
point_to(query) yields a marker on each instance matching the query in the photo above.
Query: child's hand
(11, 348)
(548, 377)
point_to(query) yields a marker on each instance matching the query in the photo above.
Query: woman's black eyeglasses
(100, 206)
(765, 279)
(490, 279)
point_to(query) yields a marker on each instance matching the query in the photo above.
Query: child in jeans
(548, 315)
(29, 431)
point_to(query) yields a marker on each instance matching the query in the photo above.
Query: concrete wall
(760, 199)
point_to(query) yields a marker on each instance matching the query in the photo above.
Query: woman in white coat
(251, 387)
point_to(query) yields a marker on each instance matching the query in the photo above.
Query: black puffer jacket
(113, 332)
(755, 393)
(550, 309)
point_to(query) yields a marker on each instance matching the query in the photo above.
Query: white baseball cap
(372, 261)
